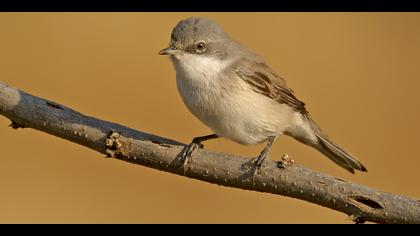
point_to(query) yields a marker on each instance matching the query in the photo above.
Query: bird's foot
(260, 159)
(263, 155)
(195, 143)
(187, 152)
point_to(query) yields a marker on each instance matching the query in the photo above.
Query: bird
(233, 91)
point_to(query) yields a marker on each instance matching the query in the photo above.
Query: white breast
(227, 105)
(196, 79)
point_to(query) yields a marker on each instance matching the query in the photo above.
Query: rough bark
(283, 178)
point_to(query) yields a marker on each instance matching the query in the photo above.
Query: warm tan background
(358, 73)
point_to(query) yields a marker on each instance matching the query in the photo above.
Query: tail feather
(338, 155)
(334, 152)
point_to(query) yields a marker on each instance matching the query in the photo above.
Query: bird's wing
(264, 80)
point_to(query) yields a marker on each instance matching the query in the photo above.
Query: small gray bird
(233, 91)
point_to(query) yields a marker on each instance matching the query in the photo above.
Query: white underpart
(229, 106)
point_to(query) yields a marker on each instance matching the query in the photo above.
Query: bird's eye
(200, 46)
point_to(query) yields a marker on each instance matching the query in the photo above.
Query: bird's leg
(195, 143)
(264, 153)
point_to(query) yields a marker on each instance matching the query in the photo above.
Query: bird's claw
(186, 154)
(260, 159)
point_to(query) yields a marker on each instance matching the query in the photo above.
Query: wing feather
(264, 80)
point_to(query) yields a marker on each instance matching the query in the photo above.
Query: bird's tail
(334, 152)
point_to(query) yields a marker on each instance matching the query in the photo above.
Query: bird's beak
(170, 51)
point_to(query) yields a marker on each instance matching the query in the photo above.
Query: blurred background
(357, 72)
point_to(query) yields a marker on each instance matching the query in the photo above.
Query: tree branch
(282, 178)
